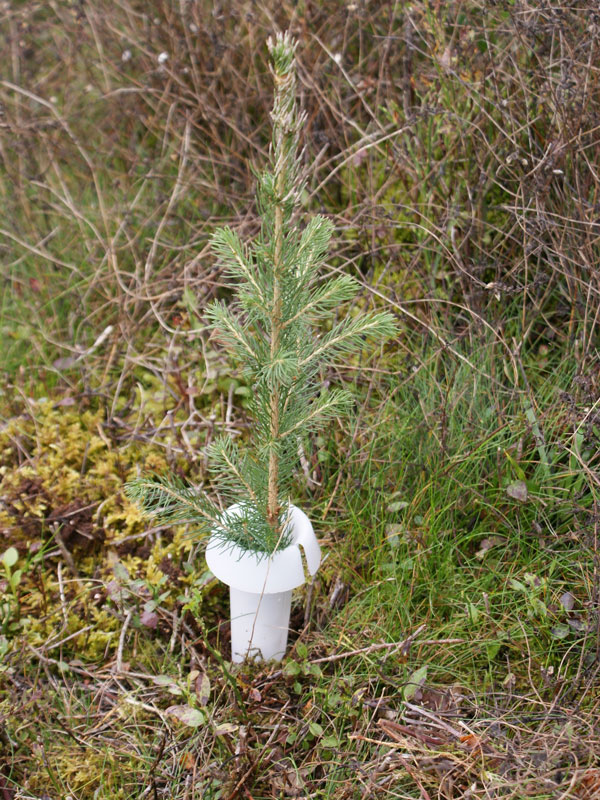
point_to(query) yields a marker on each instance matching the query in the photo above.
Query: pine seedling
(270, 328)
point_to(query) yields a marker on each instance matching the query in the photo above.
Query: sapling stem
(285, 88)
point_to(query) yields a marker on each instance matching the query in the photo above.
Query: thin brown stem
(276, 321)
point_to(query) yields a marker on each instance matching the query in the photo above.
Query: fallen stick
(372, 648)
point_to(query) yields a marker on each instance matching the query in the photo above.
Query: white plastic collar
(280, 573)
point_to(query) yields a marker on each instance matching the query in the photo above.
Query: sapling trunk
(273, 507)
(273, 490)
(271, 328)
(285, 89)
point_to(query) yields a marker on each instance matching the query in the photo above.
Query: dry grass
(455, 146)
(104, 732)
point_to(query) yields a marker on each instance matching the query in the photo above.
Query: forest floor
(448, 647)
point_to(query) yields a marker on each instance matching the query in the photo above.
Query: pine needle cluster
(270, 329)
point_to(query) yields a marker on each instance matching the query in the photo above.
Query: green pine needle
(268, 331)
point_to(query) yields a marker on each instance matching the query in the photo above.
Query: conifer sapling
(271, 329)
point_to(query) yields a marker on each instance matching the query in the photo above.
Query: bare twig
(403, 645)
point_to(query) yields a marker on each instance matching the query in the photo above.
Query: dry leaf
(487, 544)
(518, 491)
(202, 687)
(187, 760)
(149, 619)
(567, 601)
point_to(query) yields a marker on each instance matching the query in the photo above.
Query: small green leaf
(292, 668)
(330, 741)
(15, 579)
(533, 580)
(191, 717)
(399, 505)
(473, 612)
(315, 729)
(492, 649)
(169, 683)
(315, 670)
(539, 607)
(416, 680)
(225, 729)
(120, 572)
(302, 650)
(10, 557)
(163, 680)
(518, 586)
(393, 533)
(560, 631)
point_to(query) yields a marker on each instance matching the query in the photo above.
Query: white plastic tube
(261, 588)
(259, 625)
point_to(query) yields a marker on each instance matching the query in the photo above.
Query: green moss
(61, 473)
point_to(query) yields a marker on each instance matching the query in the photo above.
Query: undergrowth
(448, 647)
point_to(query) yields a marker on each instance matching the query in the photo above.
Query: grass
(449, 645)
